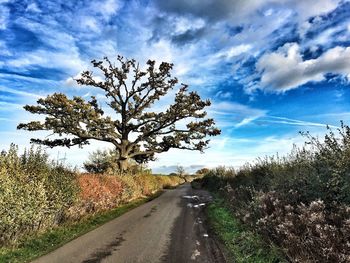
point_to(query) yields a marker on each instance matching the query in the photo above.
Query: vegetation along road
(170, 228)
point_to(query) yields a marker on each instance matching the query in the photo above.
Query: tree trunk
(123, 156)
(123, 165)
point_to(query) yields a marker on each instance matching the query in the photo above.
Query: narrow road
(170, 228)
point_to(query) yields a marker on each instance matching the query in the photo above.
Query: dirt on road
(170, 228)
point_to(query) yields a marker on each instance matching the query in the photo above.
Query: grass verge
(44, 243)
(242, 244)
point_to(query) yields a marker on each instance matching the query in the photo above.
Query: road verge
(240, 243)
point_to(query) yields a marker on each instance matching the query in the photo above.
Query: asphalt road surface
(170, 228)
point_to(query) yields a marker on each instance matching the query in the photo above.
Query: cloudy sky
(271, 68)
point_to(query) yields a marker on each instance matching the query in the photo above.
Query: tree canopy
(136, 132)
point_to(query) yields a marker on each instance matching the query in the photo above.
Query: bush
(143, 184)
(97, 192)
(106, 162)
(100, 192)
(307, 233)
(34, 193)
(101, 161)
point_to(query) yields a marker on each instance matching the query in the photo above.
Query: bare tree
(181, 172)
(136, 132)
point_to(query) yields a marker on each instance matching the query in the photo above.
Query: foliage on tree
(135, 131)
(100, 161)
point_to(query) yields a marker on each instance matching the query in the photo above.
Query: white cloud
(163, 51)
(233, 51)
(33, 7)
(236, 115)
(4, 16)
(224, 94)
(288, 121)
(273, 145)
(19, 92)
(9, 106)
(71, 81)
(285, 69)
(327, 36)
(226, 107)
(65, 56)
(69, 61)
(263, 23)
(187, 62)
(183, 24)
(240, 10)
(4, 51)
(106, 8)
(90, 23)
(246, 121)
(308, 8)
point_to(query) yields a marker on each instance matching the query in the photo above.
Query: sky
(271, 68)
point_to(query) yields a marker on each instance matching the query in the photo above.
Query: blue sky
(271, 68)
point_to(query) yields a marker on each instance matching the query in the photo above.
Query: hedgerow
(34, 193)
(300, 202)
(37, 194)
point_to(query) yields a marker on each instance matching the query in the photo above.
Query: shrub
(307, 233)
(34, 193)
(106, 162)
(100, 192)
(170, 181)
(143, 184)
(101, 161)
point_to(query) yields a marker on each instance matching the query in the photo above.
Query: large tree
(135, 131)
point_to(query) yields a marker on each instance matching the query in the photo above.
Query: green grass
(44, 243)
(242, 244)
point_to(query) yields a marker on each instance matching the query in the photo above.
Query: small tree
(181, 172)
(100, 161)
(106, 161)
(136, 132)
